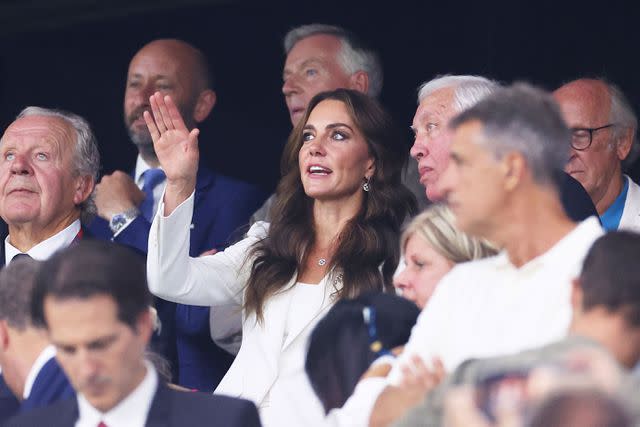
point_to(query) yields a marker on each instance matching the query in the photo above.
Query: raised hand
(176, 148)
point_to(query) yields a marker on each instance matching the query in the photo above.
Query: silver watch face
(119, 220)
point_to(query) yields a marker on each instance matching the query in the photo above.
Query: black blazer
(169, 408)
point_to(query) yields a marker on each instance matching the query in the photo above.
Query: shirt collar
(46, 248)
(566, 245)
(611, 217)
(141, 167)
(46, 354)
(131, 411)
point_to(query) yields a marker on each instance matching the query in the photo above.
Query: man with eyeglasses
(603, 127)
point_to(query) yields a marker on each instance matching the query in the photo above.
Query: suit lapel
(159, 412)
(631, 215)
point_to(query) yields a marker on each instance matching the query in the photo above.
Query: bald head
(174, 68)
(598, 115)
(189, 60)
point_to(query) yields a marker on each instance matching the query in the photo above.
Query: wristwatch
(118, 221)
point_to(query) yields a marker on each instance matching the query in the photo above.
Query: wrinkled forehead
(320, 47)
(42, 129)
(584, 104)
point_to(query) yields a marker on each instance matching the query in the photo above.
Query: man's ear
(205, 103)
(84, 186)
(624, 143)
(359, 81)
(144, 325)
(4, 335)
(513, 167)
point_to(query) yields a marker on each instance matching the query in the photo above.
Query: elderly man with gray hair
(49, 166)
(323, 57)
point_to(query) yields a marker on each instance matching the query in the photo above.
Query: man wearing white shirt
(49, 166)
(501, 184)
(28, 360)
(94, 302)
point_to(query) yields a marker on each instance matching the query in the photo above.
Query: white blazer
(630, 219)
(219, 281)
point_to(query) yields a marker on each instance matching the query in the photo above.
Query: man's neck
(607, 328)
(25, 236)
(149, 156)
(27, 346)
(533, 225)
(611, 193)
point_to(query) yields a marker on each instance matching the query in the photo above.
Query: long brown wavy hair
(368, 249)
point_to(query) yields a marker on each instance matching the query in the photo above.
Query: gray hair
(354, 56)
(468, 89)
(86, 156)
(435, 226)
(621, 111)
(17, 281)
(525, 119)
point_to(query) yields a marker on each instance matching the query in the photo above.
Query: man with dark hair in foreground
(94, 302)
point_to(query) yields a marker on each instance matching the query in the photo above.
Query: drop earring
(366, 186)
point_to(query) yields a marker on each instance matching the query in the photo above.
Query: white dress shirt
(46, 248)
(487, 308)
(48, 353)
(132, 411)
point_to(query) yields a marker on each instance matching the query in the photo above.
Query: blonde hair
(435, 226)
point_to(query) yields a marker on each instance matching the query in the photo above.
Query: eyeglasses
(581, 138)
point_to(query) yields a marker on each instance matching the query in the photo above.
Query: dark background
(73, 54)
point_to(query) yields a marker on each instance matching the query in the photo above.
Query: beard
(140, 135)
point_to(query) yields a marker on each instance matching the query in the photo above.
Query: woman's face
(424, 267)
(334, 157)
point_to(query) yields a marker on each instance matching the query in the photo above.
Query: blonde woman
(432, 246)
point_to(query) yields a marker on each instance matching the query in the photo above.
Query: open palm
(175, 146)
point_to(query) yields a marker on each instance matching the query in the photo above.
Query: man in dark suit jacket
(94, 302)
(28, 360)
(126, 203)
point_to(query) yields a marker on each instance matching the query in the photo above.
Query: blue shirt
(611, 217)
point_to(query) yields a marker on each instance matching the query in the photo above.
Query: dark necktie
(151, 178)
(20, 255)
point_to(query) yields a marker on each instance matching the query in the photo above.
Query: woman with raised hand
(336, 221)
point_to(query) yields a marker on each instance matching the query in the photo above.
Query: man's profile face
(586, 104)
(101, 355)
(164, 66)
(38, 185)
(473, 183)
(311, 67)
(432, 138)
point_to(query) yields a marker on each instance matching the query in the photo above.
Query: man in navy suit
(93, 300)
(47, 176)
(126, 204)
(27, 359)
